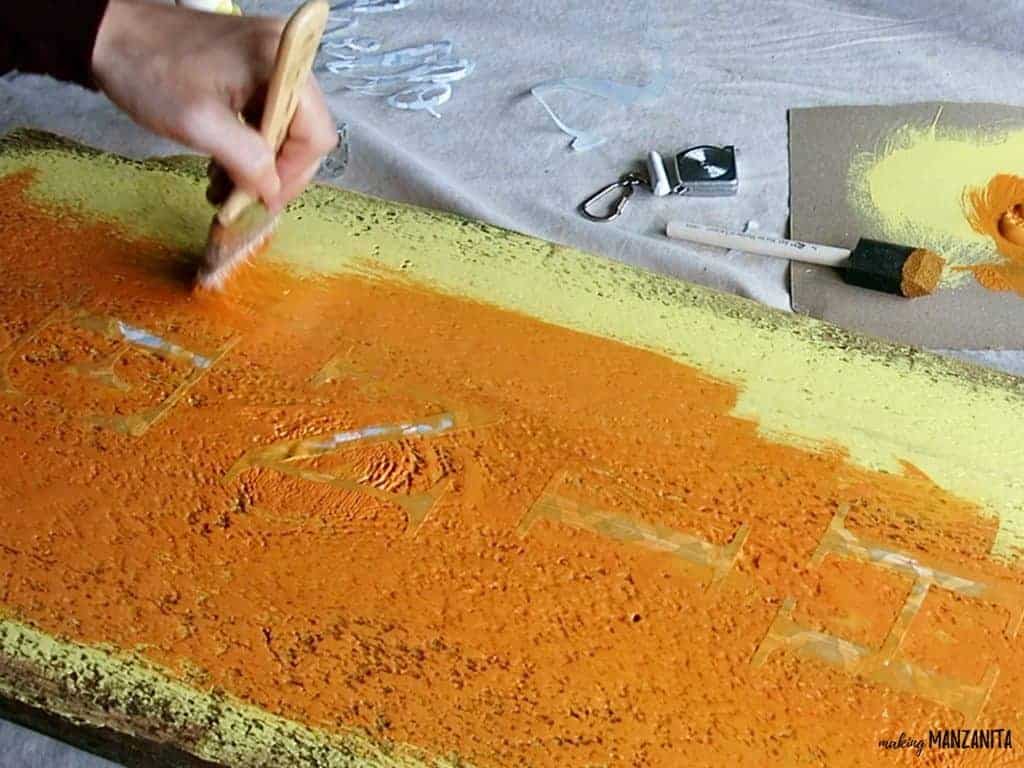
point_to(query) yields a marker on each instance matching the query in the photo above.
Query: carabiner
(627, 184)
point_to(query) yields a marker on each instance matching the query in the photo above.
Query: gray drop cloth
(22, 748)
(736, 68)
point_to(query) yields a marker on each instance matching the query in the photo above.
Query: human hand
(187, 75)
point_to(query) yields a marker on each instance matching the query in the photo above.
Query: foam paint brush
(243, 224)
(898, 269)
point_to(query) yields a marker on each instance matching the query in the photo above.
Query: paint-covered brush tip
(921, 273)
(229, 246)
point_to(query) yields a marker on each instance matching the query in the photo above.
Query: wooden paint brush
(887, 267)
(243, 223)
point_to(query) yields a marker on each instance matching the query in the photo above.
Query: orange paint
(392, 585)
(995, 211)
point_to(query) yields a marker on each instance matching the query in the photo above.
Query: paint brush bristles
(230, 245)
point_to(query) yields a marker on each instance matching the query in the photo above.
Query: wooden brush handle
(295, 55)
(762, 245)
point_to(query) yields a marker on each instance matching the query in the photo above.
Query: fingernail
(272, 201)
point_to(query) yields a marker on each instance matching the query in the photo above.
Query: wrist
(114, 32)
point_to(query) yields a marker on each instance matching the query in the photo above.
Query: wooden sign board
(416, 491)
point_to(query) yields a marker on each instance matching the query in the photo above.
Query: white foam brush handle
(762, 245)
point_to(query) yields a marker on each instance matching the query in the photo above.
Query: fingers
(311, 135)
(213, 128)
(241, 151)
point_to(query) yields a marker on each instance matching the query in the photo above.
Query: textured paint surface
(771, 361)
(913, 187)
(379, 491)
(91, 685)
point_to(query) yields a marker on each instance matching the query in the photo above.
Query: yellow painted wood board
(420, 491)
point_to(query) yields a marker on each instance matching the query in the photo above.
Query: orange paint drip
(374, 505)
(995, 211)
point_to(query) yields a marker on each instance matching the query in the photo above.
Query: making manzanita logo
(953, 738)
(971, 738)
(903, 742)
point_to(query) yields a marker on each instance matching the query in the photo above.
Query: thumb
(212, 128)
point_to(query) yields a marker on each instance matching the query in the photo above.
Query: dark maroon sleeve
(52, 37)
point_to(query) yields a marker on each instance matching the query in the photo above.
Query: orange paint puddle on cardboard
(994, 211)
